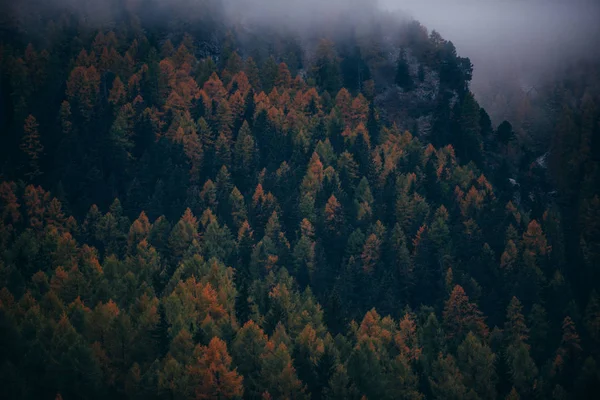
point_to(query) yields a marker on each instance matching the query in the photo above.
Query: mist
(514, 45)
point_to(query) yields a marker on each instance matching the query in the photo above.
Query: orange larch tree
(212, 373)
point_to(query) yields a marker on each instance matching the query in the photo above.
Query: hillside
(198, 207)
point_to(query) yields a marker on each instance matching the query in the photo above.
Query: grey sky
(531, 38)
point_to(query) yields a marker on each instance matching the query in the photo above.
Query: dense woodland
(187, 213)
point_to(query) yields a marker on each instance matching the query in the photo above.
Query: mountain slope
(236, 212)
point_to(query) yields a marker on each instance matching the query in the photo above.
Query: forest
(197, 207)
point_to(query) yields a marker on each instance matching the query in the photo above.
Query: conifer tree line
(256, 221)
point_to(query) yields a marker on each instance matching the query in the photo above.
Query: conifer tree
(461, 316)
(212, 374)
(403, 78)
(32, 147)
(278, 374)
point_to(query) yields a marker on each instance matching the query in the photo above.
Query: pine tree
(326, 68)
(469, 143)
(173, 379)
(192, 148)
(340, 387)
(275, 234)
(402, 261)
(244, 157)
(363, 201)
(32, 147)
(521, 367)
(252, 72)
(446, 381)
(476, 361)
(569, 350)
(278, 375)
(184, 233)
(268, 74)
(515, 328)
(403, 77)
(239, 212)
(308, 350)
(246, 349)
(505, 133)
(222, 151)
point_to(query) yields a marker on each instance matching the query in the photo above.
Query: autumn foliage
(179, 220)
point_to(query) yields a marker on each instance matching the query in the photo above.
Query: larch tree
(212, 374)
(139, 230)
(83, 88)
(371, 253)
(118, 94)
(284, 78)
(334, 217)
(462, 316)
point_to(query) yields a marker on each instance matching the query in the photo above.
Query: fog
(510, 42)
(514, 45)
